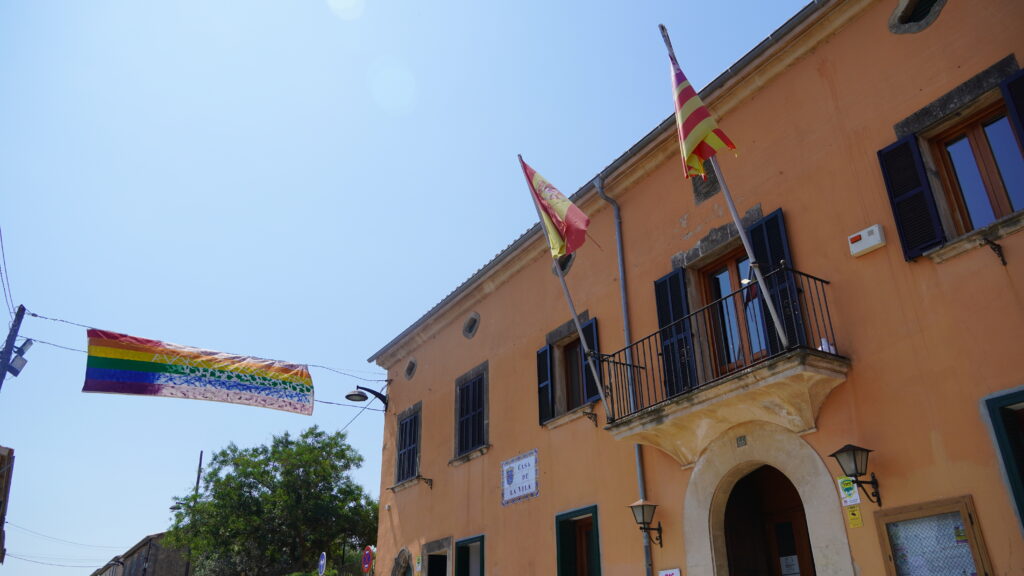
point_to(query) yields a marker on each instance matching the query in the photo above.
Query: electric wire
(9, 555)
(34, 315)
(348, 374)
(55, 539)
(360, 413)
(5, 277)
(64, 558)
(348, 405)
(38, 341)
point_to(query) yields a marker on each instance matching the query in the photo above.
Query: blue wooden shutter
(408, 447)
(545, 392)
(678, 363)
(1013, 93)
(590, 391)
(913, 206)
(471, 415)
(770, 244)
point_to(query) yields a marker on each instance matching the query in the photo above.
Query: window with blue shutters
(977, 154)
(471, 410)
(407, 465)
(564, 380)
(676, 332)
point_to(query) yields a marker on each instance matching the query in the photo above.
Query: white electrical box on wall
(867, 240)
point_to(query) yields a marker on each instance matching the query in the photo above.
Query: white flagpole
(568, 298)
(750, 253)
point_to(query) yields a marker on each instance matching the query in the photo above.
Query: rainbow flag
(565, 224)
(700, 137)
(122, 364)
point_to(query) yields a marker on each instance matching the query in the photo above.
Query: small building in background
(147, 558)
(6, 473)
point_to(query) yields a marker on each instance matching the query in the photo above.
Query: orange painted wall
(927, 341)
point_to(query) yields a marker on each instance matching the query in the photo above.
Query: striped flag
(700, 137)
(122, 364)
(565, 224)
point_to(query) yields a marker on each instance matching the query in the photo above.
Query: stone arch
(403, 563)
(724, 463)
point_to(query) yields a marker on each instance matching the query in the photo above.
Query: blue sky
(297, 180)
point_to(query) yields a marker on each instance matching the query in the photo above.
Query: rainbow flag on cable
(122, 364)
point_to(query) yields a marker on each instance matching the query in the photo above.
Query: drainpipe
(627, 335)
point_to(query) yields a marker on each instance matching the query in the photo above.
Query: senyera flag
(122, 364)
(700, 137)
(566, 225)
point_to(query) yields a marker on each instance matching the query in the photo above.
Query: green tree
(272, 510)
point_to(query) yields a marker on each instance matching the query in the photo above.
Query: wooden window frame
(964, 505)
(557, 370)
(731, 263)
(971, 126)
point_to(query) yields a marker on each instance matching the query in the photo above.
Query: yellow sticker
(853, 517)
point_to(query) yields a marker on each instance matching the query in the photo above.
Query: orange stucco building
(898, 121)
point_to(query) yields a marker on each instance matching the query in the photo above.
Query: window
(408, 445)
(564, 381)
(578, 545)
(471, 410)
(941, 537)
(982, 169)
(734, 328)
(737, 317)
(977, 155)
(1006, 413)
(912, 16)
(469, 557)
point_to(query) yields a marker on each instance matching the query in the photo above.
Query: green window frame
(578, 542)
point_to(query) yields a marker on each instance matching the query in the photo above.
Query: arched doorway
(726, 461)
(765, 527)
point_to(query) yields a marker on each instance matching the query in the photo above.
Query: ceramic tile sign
(672, 572)
(848, 491)
(519, 478)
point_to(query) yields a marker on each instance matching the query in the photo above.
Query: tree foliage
(272, 510)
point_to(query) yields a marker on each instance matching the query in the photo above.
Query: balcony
(681, 387)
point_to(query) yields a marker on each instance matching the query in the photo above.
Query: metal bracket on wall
(428, 481)
(996, 248)
(592, 416)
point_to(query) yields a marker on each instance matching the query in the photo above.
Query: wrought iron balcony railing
(725, 337)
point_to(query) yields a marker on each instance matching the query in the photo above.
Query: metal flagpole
(750, 253)
(579, 329)
(568, 299)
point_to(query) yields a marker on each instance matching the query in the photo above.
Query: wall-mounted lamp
(359, 395)
(854, 462)
(643, 513)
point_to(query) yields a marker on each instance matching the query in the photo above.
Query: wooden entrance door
(765, 527)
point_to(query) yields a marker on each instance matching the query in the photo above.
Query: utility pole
(5, 358)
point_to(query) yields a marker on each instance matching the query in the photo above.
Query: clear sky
(291, 179)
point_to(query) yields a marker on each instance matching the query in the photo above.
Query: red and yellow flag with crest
(564, 223)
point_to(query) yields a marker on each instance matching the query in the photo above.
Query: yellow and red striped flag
(700, 137)
(565, 224)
